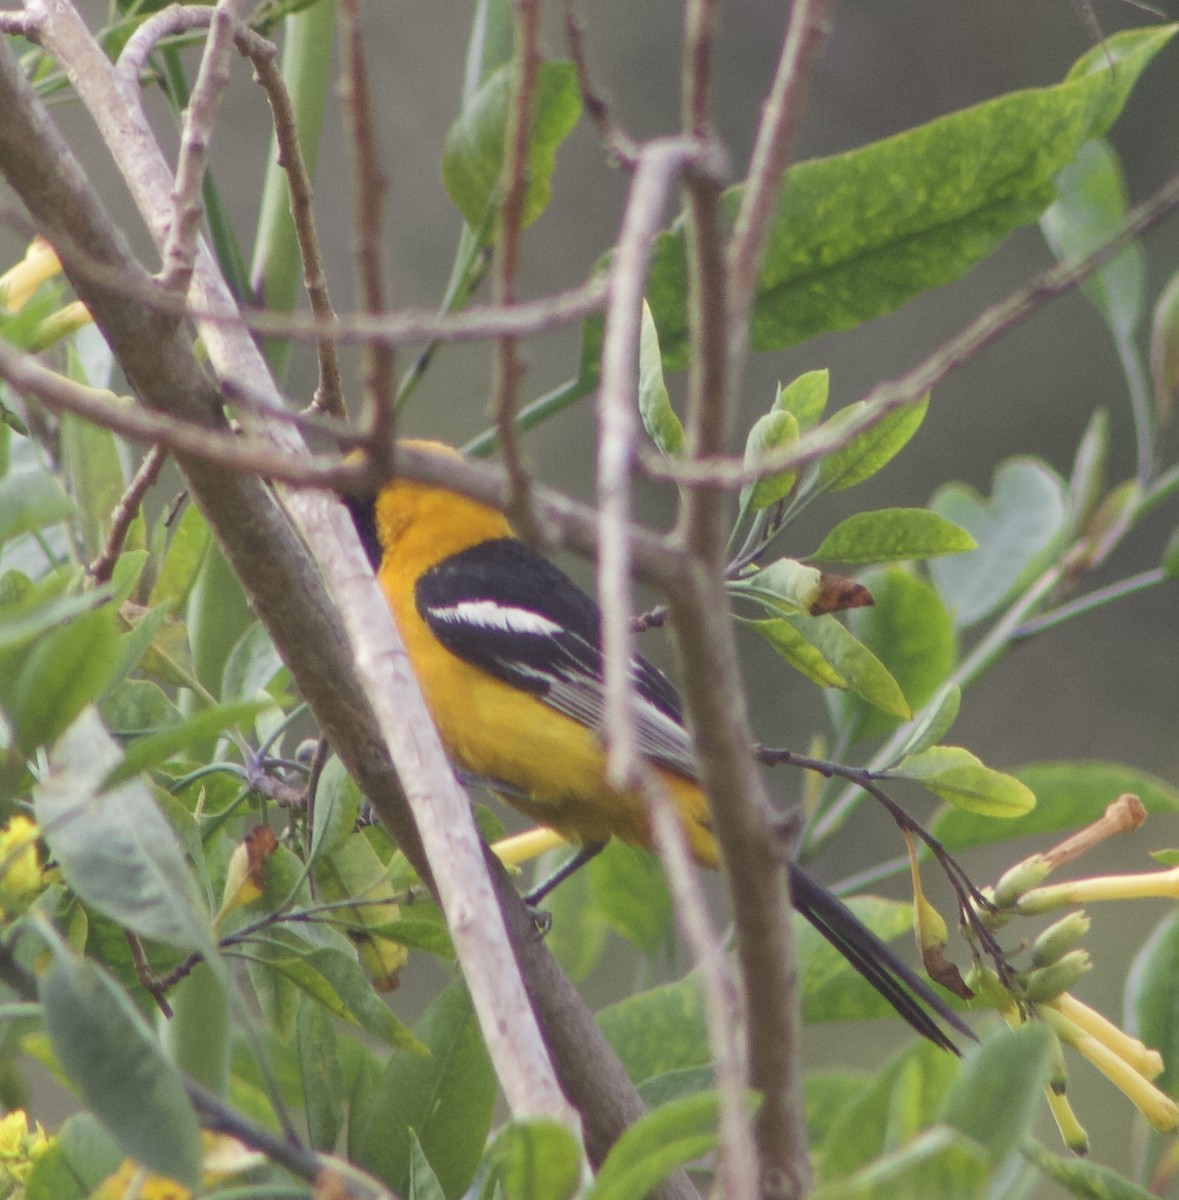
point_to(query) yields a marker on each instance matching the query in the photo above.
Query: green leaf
(332, 976)
(871, 450)
(322, 1076)
(337, 803)
(146, 753)
(76, 1161)
(25, 617)
(183, 559)
(774, 431)
(934, 721)
(1069, 795)
(472, 157)
(536, 1160)
(827, 1092)
(109, 1053)
(892, 534)
(658, 1030)
(656, 1145)
(1086, 484)
(1018, 530)
(956, 775)
(67, 669)
(805, 397)
(805, 658)
(136, 706)
(115, 848)
(786, 586)
(31, 500)
(887, 1113)
(446, 1097)
(128, 569)
(939, 1162)
(860, 669)
(135, 643)
(858, 234)
(631, 893)
(94, 464)
(423, 1183)
(909, 629)
(1012, 1064)
(1084, 1179)
(675, 1085)
(659, 418)
(1149, 1003)
(1090, 208)
(252, 665)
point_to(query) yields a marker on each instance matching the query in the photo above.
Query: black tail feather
(908, 993)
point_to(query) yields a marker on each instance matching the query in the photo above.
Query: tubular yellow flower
(1140, 886)
(18, 283)
(1142, 1058)
(520, 847)
(61, 324)
(1072, 1132)
(1159, 1109)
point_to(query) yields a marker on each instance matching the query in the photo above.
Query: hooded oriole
(506, 648)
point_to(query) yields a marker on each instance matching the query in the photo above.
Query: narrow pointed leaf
(871, 450)
(959, 777)
(115, 848)
(893, 534)
(107, 1050)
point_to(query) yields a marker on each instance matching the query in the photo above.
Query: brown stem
(101, 569)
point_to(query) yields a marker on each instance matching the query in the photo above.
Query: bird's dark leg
(542, 889)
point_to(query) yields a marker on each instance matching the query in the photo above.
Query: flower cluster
(1057, 962)
(20, 1147)
(21, 873)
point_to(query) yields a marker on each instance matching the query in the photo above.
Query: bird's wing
(507, 610)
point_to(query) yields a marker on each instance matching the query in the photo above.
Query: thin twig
(101, 569)
(144, 974)
(659, 166)
(701, 22)
(476, 323)
(200, 119)
(719, 988)
(771, 152)
(15, 24)
(323, 750)
(369, 187)
(509, 368)
(329, 391)
(715, 696)
(1087, 603)
(168, 22)
(617, 142)
(567, 524)
(970, 900)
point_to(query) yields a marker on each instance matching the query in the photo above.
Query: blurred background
(1106, 686)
